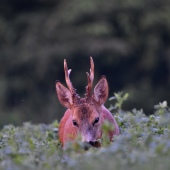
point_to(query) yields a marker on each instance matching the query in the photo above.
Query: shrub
(144, 143)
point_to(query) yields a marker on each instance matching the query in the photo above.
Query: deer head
(85, 112)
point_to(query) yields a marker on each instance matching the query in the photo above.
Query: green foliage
(120, 99)
(144, 143)
(106, 127)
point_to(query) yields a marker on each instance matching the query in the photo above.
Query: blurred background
(129, 41)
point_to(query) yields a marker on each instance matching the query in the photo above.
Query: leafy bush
(144, 143)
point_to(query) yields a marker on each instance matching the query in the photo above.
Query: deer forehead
(85, 112)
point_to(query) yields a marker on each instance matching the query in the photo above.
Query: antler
(68, 82)
(90, 81)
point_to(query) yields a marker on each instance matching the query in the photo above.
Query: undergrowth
(144, 143)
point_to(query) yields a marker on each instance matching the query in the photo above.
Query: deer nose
(91, 143)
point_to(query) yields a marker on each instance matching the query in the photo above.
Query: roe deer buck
(84, 115)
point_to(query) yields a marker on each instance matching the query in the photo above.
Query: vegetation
(144, 143)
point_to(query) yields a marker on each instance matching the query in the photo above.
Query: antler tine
(90, 80)
(91, 71)
(68, 82)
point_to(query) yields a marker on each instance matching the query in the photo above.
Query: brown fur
(82, 113)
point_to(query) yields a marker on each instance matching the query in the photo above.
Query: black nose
(91, 143)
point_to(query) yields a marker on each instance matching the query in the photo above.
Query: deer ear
(64, 95)
(101, 91)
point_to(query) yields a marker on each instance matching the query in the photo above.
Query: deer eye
(96, 121)
(75, 123)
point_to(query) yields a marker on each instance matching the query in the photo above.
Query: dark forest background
(129, 41)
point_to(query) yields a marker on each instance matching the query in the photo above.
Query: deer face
(86, 111)
(86, 121)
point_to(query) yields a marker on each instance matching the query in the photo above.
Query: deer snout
(91, 143)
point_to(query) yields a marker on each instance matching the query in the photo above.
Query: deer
(84, 115)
